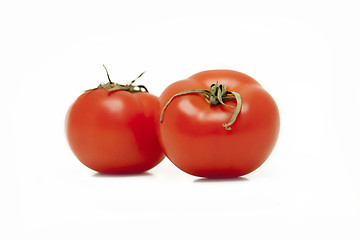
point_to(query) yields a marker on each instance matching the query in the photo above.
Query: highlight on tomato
(218, 124)
(111, 129)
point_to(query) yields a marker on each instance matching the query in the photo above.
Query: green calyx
(111, 86)
(215, 96)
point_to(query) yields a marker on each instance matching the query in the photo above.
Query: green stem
(216, 95)
(107, 73)
(179, 94)
(111, 86)
(236, 112)
(136, 78)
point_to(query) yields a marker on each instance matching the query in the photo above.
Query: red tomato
(114, 131)
(193, 134)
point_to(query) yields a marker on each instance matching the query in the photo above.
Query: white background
(304, 53)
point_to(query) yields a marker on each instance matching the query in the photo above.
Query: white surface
(305, 53)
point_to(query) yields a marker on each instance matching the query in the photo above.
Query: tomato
(226, 131)
(111, 129)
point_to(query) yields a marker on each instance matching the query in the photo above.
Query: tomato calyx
(215, 96)
(111, 86)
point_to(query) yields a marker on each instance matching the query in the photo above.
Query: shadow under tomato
(208, 180)
(120, 175)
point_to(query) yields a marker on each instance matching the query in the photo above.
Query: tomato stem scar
(215, 96)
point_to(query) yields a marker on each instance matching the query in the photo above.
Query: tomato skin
(192, 134)
(114, 132)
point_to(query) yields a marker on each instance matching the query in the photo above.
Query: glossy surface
(114, 132)
(194, 139)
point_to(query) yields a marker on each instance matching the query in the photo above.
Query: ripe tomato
(219, 140)
(111, 129)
